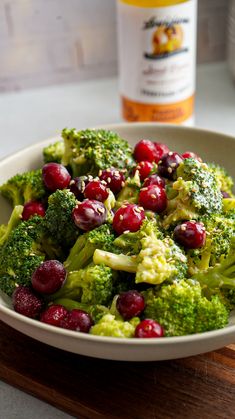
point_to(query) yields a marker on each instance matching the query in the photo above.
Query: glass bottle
(157, 59)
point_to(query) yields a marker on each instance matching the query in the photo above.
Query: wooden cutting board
(197, 387)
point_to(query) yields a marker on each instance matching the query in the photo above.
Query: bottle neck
(153, 3)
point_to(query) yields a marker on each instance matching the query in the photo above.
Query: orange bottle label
(157, 61)
(177, 113)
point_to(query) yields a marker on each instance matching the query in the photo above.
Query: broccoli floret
(53, 152)
(197, 193)
(130, 244)
(220, 230)
(182, 309)
(92, 285)
(21, 254)
(221, 276)
(130, 191)
(14, 220)
(89, 151)
(82, 251)
(24, 187)
(159, 258)
(228, 204)
(58, 222)
(224, 180)
(108, 325)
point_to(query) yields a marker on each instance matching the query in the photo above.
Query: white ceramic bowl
(212, 147)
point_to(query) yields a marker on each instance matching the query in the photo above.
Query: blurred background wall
(46, 42)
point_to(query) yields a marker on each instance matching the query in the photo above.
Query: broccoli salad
(114, 241)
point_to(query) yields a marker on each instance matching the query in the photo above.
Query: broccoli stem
(117, 262)
(220, 276)
(80, 254)
(71, 288)
(71, 304)
(13, 222)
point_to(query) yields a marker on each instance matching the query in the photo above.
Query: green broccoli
(24, 187)
(220, 230)
(197, 193)
(89, 151)
(14, 220)
(21, 254)
(53, 152)
(224, 180)
(130, 191)
(58, 222)
(228, 204)
(221, 276)
(91, 285)
(159, 259)
(82, 251)
(182, 309)
(108, 325)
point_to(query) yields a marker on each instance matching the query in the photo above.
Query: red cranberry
(225, 194)
(145, 150)
(154, 180)
(26, 302)
(161, 149)
(190, 234)
(89, 214)
(32, 208)
(144, 168)
(54, 314)
(130, 304)
(191, 155)
(114, 178)
(128, 218)
(78, 184)
(153, 198)
(55, 176)
(168, 164)
(49, 277)
(149, 328)
(78, 320)
(96, 189)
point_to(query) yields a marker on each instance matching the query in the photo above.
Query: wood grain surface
(197, 387)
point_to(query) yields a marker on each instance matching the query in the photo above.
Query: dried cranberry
(144, 168)
(78, 184)
(78, 320)
(190, 234)
(55, 176)
(225, 194)
(145, 150)
(26, 302)
(89, 214)
(191, 155)
(54, 314)
(149, 328)
(154, 180)
(49, 277)
(130, 304)
(153, 198)
(96, 189)
(128, 218)
(168, 164)
(161, 149)
(32, 208)
(114, 178)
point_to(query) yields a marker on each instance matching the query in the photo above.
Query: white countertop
(35, 115)
(31, 116)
